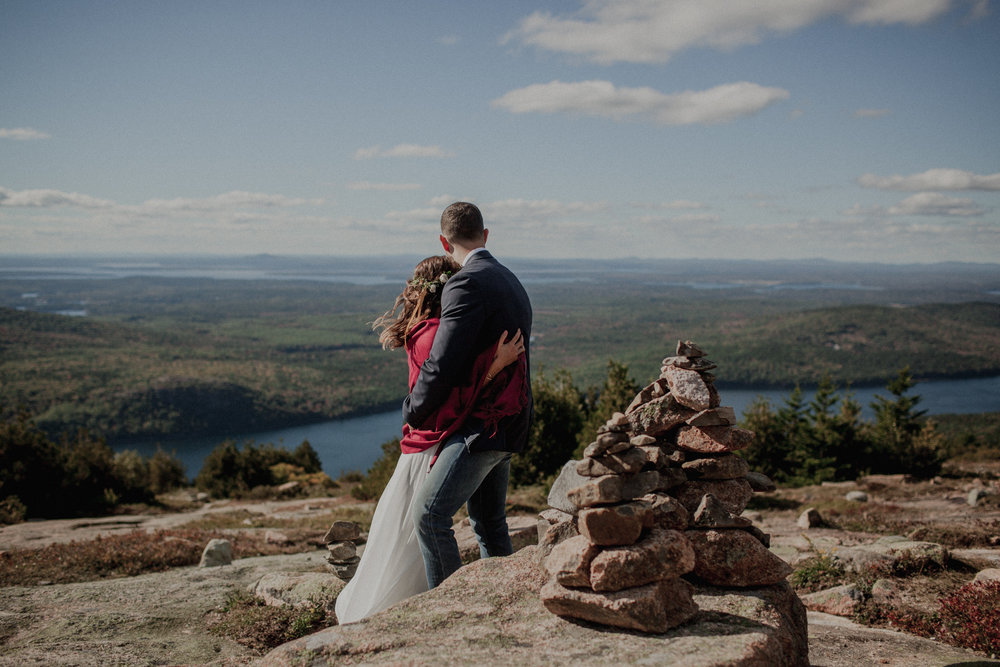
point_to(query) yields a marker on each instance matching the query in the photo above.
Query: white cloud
(933, 179)
(601, 98)
(237, 199)
(886, 12)
(402, 150)
(936, 204)
(539, 210)
(22, 134)
(384, 187)
(872, 113)
(677, 204)
(50, 199)
(696, 219)
(646, 31)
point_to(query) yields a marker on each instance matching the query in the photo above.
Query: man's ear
(444, 244)
(486, 233)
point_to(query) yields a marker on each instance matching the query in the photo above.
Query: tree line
(796, 443)
(79, 474)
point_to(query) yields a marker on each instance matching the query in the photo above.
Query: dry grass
(135, 553)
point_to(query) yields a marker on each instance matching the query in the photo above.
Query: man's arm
(462, 317)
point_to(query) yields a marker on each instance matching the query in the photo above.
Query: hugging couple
(464, 320)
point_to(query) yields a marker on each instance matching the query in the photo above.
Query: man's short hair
(462, 221)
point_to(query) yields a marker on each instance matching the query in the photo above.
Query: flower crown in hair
(431, 285)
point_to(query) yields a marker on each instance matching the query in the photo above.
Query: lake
(355, 443)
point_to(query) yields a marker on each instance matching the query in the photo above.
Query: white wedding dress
(391, 567)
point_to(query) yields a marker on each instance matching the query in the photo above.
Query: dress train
(391, 567)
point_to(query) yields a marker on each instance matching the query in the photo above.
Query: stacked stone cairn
(342, 542)
(656, 501)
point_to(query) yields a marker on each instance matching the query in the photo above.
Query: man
(478, 304)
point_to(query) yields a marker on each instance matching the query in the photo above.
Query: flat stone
(628, 461)
(721, 416)
(342, 550)
(567, 479)
(555, 533)
(713, 514)
(216, 553)
(688, 387)
(653, 608)
(663, 554)
(759, 535)
(276, 537)
(569, 562)
(975, 495)
(607, 443)
(989, 574)
(639, 484)
(735, 558)
(655, 456)
(616, 423)
(648, 393)
(659, 416)
(553, 516)
(341, 531)
(760, 482)
(615, 524)
(840, 600)
(856, 496)
(733, 494)
(597, 491)
(700, 364)
(713, 439)
(727, 466)
(670, 478)
(345, 569)
(687, 348)
(280, 589)
(810, 518)
(642, 440)
(977, 559)
(890, 550)
(667, 511)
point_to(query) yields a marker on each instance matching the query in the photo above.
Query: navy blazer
(478, 303)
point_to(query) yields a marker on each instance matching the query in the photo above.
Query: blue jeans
(478, 479)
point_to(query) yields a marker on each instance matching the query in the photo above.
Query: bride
(391, 567)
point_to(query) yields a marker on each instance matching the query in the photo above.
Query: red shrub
(970, 617)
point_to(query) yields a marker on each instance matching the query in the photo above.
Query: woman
(391, 567)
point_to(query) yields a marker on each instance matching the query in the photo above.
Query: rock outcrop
(490, 612)
(656, 502)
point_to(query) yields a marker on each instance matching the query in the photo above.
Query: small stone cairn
(342, 542)
(656, 501)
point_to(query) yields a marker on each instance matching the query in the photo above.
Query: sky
(850, 130)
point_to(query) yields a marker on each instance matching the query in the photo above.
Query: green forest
(165, 361)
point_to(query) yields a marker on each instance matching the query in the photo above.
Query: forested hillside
(175, 372)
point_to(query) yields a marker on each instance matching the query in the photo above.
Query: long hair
(420, 300)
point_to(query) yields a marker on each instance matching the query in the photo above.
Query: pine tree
(901, 441)
(554, 430)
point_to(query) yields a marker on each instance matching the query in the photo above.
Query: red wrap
(506, 395)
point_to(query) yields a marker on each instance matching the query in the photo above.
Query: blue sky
(861, 130)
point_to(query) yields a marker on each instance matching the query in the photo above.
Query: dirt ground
(160, 618)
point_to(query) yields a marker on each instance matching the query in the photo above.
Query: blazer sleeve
(462, 315)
